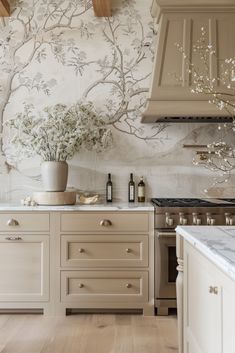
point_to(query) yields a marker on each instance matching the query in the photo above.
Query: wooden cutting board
(55, 198)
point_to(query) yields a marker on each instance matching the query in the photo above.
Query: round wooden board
(55, 198)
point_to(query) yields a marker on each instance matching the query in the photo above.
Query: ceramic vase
(54, 175)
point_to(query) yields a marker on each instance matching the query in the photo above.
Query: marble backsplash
(58, 52)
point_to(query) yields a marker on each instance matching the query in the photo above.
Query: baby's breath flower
(58, 132)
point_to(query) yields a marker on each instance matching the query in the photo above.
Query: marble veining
(79, 207)
(216, 243)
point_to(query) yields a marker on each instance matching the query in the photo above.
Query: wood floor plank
(87, 334)
(10, 325)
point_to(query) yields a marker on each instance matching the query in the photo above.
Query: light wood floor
(87, 334)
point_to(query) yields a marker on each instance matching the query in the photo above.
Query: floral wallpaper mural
(58, 52)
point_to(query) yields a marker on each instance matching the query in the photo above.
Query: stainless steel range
(170, 212)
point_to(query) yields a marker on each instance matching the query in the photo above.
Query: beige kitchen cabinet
(24, 265)
(209, 314)
(84, 260)
(24, 222)
(24, 260)
(103, 222)
(104, 250)
(106, 261)
(104, 286)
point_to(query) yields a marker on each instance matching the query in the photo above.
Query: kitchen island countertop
(216, 243)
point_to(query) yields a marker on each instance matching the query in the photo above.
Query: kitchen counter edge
(145, 207)
(211, 241)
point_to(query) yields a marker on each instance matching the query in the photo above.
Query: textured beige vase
(54, 175)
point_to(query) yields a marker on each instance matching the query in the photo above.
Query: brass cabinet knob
(81, 285)
(128, 250)
(13, 238)
(12, 222)
(216, 290)
(81, 250)
(128, 285)
(105, 223)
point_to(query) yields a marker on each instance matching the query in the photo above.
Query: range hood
(180, 21)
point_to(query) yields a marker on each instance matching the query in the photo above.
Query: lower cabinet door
(104, 286)
(24, 268)
(228, 313)
(203, 326)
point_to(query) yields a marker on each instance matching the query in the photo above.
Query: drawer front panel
(104, 222)
(104, 286)
(27, 222)
(104, 250)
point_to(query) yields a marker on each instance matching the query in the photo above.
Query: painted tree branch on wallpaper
(26, 39)
(120, 72)
(42, 31)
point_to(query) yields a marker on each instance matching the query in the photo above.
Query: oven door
(165, 264)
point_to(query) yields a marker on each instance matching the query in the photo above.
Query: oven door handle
(166, 234)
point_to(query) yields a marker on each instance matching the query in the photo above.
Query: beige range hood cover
(180, 21)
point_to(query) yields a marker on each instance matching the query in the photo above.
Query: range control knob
(208, 218)
(169, 220)
(212, 221)
(199, 221)
(228, 219)
(182, 219)
(196, 220)
(185, 221)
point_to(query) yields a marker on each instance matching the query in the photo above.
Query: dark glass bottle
(131, 189)
(109, 189)
(141, 190)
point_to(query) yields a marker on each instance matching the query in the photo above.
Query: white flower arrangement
(58, 132)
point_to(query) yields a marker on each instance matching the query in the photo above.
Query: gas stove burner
(192, 202)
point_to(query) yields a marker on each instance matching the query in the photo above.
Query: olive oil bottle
(141, 190)
(131, 189)
(109, 189)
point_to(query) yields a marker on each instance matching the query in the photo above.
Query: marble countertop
(216, 243)
(79, 207)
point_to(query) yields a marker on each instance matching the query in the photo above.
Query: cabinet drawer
(104, 222)
(104, 250)
(104, 286)
(18, 222)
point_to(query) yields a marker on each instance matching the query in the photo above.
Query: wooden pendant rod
(102, 8)
(4, 8)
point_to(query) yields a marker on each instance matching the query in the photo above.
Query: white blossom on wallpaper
(45, 31)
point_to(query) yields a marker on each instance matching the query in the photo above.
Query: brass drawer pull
(128, 285)
(13, 238)
(128, 250)
(12, 222)
(81, 250)
(81, 285)
(105, 223)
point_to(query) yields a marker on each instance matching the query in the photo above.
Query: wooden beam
(4, 8)
(102, 8)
